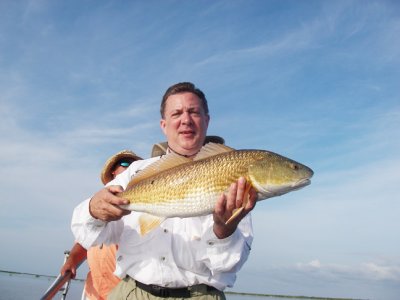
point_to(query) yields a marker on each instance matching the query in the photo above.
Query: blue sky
(317, 81)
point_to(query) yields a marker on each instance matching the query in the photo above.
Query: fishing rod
(61, 282)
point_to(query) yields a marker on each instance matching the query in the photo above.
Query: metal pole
(65, 288)
(59, 282)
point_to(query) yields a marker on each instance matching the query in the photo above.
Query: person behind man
(100, 279)
(162, 148)
(196, 257)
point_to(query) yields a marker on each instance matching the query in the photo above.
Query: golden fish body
(179, 187)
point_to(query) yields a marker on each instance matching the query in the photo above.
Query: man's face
(118, 170)
(185, 123)
(120, 167)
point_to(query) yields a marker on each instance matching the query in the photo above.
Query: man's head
(184, 118)
(116, 164)
(183, 87)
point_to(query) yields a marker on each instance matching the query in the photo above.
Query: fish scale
(192, 188)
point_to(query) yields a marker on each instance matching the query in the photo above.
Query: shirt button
(210, 243)
(162, 258)
(165, 230)
(196, 238)
(119, 258)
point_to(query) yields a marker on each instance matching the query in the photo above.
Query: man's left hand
(228, 203)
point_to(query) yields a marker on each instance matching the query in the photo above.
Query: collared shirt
(180, 252)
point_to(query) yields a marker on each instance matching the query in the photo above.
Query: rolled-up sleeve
(225, 257)
(85, 228)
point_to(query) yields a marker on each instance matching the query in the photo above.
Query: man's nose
(186, 118)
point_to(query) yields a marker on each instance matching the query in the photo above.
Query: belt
(165, 292)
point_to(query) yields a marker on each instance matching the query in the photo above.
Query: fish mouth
(271, 191)
(303, 182)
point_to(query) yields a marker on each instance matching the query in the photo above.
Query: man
(101, 259)
(195, 257)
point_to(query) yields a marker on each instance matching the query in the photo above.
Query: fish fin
(166, 162)
(212, 149)
(237, 211)
(149, 222)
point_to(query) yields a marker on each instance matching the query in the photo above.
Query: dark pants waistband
(165, 292)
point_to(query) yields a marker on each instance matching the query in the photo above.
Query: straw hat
(161, 148)
(106, 175)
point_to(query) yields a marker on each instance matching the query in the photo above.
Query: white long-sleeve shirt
(181, 252)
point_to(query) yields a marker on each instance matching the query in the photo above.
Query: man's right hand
(69, 266)
(76, 256)
(105, 205)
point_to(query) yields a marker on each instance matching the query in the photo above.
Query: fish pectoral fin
(149, 222)
(237, 211)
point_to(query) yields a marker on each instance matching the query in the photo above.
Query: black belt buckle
(173, 292)
(159, 291)
(164, 292)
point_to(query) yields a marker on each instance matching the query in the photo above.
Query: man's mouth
(187, 132)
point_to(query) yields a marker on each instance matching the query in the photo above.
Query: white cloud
(374, 271)
(381, 272)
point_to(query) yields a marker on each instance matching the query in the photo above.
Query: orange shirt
(101, 280)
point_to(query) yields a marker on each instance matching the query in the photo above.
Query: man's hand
(226, 205)
(76, 256)
(69, 266)
(105, 205)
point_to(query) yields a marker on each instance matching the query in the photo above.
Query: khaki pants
(127, 290)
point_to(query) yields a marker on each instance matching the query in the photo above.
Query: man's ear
(163, 125)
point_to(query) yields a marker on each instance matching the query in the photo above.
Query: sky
(316, 81)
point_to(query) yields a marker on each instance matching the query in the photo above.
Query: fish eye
(294, 166)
